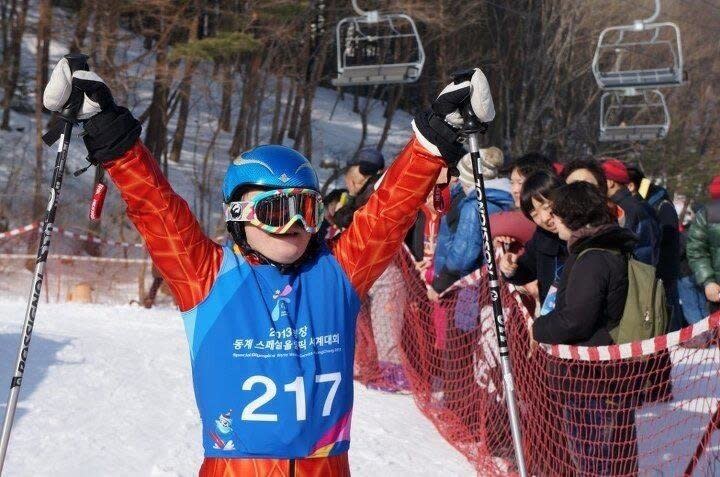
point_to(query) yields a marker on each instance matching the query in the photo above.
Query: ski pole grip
(77, 62)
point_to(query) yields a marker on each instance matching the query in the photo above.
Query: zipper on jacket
(292, 468)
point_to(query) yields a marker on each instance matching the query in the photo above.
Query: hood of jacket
(610, 237)
(500, 198)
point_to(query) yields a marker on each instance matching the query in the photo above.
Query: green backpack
(645, 314)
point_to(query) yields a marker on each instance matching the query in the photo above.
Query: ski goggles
(275, 211)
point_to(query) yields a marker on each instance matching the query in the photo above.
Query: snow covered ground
(107, 392)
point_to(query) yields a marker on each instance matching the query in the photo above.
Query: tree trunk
(393, 101)
(4, 24)
(275, 132)
(295, 114)
(241, 138)
(156, 133)
(41, 73)
(185, 90)
(286, 116)
(13, 65)
(226, 103)
(81, 26)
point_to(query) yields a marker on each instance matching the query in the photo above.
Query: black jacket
(544, 253)
(640, 218)
(668, 267)
(592, 291)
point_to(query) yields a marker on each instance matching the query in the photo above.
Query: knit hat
(714, 188)
(492, 160)
(615, 170)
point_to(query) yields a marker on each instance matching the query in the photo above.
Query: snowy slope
(107, 392)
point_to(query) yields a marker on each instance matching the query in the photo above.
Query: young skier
(271, 320)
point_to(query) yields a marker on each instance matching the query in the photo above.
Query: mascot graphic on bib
(224, 435)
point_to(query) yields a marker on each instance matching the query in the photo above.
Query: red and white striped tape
(19, 231)
(93, 239)
(68, 233)
(636, 348)
(79, 236)
(74, 258)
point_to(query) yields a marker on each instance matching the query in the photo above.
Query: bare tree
(41, 75)
(11, 57)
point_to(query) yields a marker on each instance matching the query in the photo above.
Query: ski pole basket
(639, 56)
(378, 48)
(633, 116)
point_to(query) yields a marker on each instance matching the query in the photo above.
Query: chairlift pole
(640, 24)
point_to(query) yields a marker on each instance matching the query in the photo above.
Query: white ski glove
(473, 84)
(110, 130)
(438, 129)
(57, 92)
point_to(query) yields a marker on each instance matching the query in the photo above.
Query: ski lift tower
(378, 48)
(631, 63)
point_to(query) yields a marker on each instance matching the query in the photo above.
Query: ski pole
(76, 62)
(472, 128)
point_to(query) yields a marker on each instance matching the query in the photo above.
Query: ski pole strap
(53, 134)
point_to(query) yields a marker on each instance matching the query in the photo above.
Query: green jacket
(703, 245)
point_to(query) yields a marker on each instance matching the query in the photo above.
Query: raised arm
(365, 249)
(369, 244)
(187, 259)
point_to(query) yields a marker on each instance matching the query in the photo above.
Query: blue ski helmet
(271, 166)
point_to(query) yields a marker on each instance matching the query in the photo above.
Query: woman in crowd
(588, 170)
(598, 414)
(545, 253)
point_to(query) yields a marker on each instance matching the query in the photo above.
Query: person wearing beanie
(459, 246)
(459, 252)
(639, 216)
(363, 172)
(703, 247)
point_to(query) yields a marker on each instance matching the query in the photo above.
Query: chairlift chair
(378, 48)
(633, 116)
(644, 55)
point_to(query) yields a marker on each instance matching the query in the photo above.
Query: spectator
(600, 422)
(459, 248)
(639, 216)
(594, 303)
(545, 253)
(523, 168)
(511, 227)
(362, 174)
(332, 202)
(703, 247)
(636, 176)
(692, 296)
(588, 170)
(668, 266)
(421, 239)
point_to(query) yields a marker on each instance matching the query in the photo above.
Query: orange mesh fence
(647, 408)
